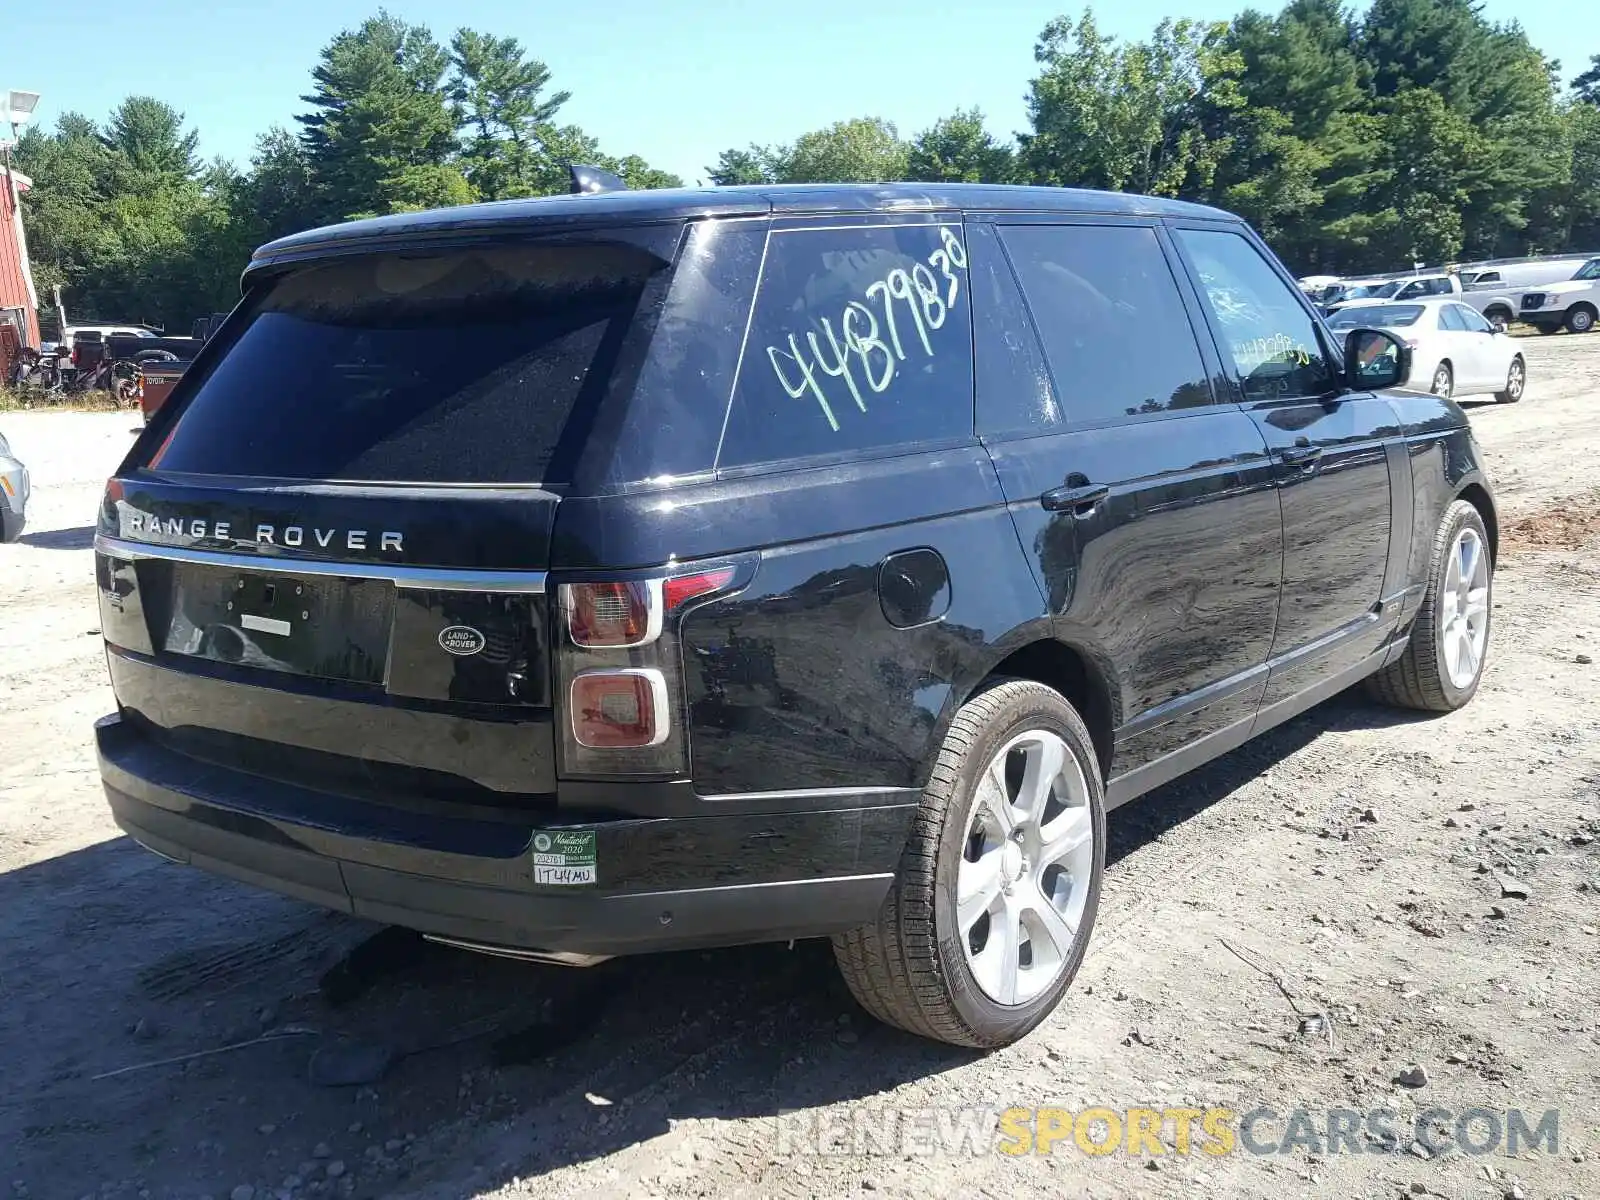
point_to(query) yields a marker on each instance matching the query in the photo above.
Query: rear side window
(462, 367)
(860, 339)
(1110, 318)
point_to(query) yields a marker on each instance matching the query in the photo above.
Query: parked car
(1574, 305)
(1519, 274)
(645, 570)
(14, 490)
(1452, 346)
(1496, 306)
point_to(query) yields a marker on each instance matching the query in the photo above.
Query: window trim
(843, 222)
(1069, 422)
(1230, 369)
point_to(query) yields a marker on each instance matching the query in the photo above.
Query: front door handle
(1302, 456)
(1080, 501)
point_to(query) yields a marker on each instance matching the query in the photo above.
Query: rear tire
(1580, 319)
(926, 964)
(1432, 675)
(1516, 382)
(1444, 381)
(1500, 318)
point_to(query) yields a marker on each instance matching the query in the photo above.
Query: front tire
(1444, 381)
(990, 912)
(1443, 663)
(1516, 382)
(1580, 319)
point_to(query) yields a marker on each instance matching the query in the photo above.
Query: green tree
(1130, 118)
(757, 165)
(150, 135)
(500, 95)
(863, 150)
(958, 149)
(381, 133)
(1587, 85)
(280, 190)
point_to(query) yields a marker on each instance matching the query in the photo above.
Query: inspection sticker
(564, 856)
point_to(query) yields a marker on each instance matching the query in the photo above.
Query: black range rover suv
(620, 572)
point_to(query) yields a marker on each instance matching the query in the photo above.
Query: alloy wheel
(1464, 608)
(1516, 379)
(1026, 865)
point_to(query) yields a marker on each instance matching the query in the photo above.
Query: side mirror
(1375, 360)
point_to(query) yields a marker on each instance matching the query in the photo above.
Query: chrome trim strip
(440, 579)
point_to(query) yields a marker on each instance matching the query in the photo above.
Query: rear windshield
(1375, 315)
(460, 367)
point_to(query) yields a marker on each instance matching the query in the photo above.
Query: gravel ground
(1300, 924)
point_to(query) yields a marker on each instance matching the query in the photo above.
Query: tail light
(613, 616)
(619, 710)
(620, 671)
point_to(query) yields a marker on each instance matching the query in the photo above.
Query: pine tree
(381, 135)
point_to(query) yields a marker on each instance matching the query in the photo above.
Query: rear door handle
(1080, 501)
(1300, 456)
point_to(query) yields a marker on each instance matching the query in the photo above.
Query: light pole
(19, 110)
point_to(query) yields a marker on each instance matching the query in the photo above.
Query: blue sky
(675, 83)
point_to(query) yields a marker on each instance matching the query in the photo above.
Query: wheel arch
(1074, 671)
(1475, 494)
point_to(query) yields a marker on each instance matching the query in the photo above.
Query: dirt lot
(1341, 853)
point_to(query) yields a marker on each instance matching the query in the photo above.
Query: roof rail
(587, 179)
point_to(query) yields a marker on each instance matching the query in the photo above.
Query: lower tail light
(619, 710)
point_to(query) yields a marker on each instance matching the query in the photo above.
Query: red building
(19, 306)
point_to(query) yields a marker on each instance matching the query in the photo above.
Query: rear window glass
(1370, 315)
(860, 339)
(462, 367)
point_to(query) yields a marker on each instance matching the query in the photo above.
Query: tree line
(1415, 131)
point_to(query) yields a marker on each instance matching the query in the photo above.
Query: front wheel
(1581, 319)
(989, 915)
(1443, 663)
(1516, 381)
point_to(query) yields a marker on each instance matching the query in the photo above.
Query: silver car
(14, 487)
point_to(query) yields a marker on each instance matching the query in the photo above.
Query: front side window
(1472, 320)
(861, 339)
(1266, 332)
(1450, 319)
(1111, 319)
(1589, 270)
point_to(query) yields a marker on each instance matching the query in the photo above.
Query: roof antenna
(593, 179)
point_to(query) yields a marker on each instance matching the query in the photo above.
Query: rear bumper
(11, 525)
(663, 883)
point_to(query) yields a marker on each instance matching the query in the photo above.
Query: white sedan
(1454, 350)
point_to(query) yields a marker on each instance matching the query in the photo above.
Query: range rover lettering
(635, 571)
